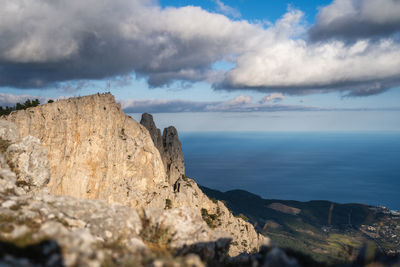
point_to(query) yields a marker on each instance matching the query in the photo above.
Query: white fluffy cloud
(44, 42)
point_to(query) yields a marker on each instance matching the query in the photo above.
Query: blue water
(340, 167)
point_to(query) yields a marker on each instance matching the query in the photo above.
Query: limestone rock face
(8, 131)
(8, 178)
(169, 147)
(28, 159)
(155, 133)
(95, 150)
(173, 154)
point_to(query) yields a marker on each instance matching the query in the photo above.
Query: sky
(212, 65)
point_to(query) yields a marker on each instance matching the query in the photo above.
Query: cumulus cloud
(274, 97)
(354, 19)
(43, 43)
(227, 10)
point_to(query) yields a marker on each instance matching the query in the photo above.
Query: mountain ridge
(330, 233)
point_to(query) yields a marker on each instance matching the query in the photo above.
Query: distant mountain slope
(328, 232)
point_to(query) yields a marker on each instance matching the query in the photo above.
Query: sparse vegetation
(214, 200)
(4, 144)
(155, 234)
(307, 235)
(242, 216)
(211, 219)
(18, 106)
(168, 204)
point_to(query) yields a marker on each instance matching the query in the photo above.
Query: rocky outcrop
(95, 151)
(8, 131)
(28, 159)
(155, 133)
(173, 156)
(169, 147)
(25, 158)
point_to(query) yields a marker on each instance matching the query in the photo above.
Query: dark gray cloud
(354, 19)
(44, 43)
(347, 88)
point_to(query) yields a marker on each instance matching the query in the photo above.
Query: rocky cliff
(169, 147)
(56, 156)
(95, 150)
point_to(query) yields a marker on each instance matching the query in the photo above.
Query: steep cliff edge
(95, 151)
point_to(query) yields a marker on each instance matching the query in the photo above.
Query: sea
(340, 167)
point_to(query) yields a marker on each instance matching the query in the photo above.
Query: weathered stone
(95, 150)
(185, 225)
(8, 131)
(80, 227)
(8, 179)
(169, 147)
(28, 159)
(173, 154)
(155, 133)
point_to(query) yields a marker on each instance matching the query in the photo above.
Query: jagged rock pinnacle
(169, 147)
